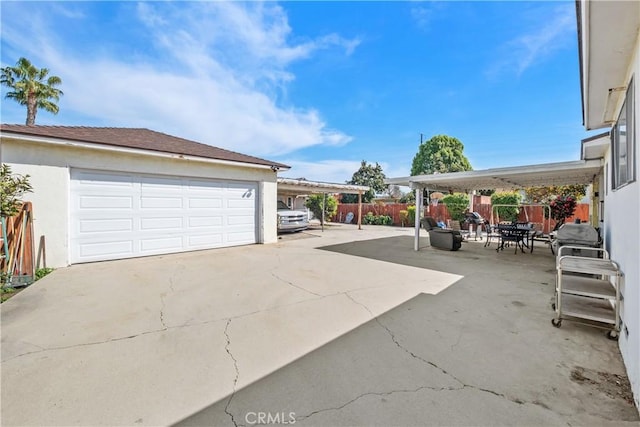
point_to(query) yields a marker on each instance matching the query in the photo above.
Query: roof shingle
(139, 138)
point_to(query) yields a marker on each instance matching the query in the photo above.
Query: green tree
(506, 213)
(315, 202)
(440, 154)
(369, 175)
(12, 188)
(546, 194)
(408, 197)
(31, 86)
(456, 204)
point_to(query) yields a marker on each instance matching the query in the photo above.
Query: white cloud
(423, 13)
(222, 65)
(550, 34)
(333, 170)
(337, 171)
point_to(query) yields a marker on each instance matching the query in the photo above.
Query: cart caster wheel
(613, 335)
(556, 322)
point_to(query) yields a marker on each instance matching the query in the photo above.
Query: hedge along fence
(390, 209)
(535, 214)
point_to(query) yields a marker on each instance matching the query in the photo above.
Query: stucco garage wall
(622, 237)
(49, 166)
(269, 203)
(50, 209)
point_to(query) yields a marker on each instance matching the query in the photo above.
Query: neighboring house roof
(136, 138)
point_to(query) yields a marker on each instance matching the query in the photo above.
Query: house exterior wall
(49, 167)
(622, 237)
(297, 201)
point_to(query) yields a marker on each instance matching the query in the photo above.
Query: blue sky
(317, 85)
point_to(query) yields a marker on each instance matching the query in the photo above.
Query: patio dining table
(521, 234)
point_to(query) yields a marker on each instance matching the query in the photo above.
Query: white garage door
(119, 215)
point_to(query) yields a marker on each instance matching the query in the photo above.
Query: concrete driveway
(344, 327)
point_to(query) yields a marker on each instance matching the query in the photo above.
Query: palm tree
(31, 87)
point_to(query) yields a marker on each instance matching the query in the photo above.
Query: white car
(291, 220)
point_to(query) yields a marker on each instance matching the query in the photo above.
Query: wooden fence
(16, 248)
(533, 214)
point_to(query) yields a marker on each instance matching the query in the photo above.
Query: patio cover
(565, 173)
(303, 187)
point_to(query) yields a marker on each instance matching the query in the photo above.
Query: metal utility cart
(593, 294)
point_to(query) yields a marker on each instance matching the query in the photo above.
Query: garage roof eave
(133, 140)
(302, 186)
(565, 173)
(274, 166)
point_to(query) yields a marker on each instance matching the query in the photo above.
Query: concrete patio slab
(364, 331)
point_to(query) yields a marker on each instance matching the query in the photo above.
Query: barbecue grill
(579, 235)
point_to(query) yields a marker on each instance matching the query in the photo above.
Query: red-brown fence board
(533, 214)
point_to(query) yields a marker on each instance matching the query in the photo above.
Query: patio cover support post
(324, 198)
(416, 241)
(359, 210)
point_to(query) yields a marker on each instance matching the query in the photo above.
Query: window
(623, 169)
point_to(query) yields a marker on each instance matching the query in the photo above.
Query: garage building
(112, 193)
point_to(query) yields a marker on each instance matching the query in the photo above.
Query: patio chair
(491, 232)
(510, 233)
(456, 226)
(441, 238)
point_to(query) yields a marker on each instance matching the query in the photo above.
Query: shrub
(385, 220)
(12, 188)
(41, 272)
(562, 207)
(506, 213)
(372, 219)
(411, 210)
(368, 218)
(404, 217)
(456, 204)
(314, 203)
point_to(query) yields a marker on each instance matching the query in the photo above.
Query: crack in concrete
(415, 356)
(66, 347)
(294, 285)
(382, 393)
(171, 281)
(454, 345)
(359, 303)
(235, 380)
(162, 307)
(162, 298)
(186, 325)
(449, 374)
